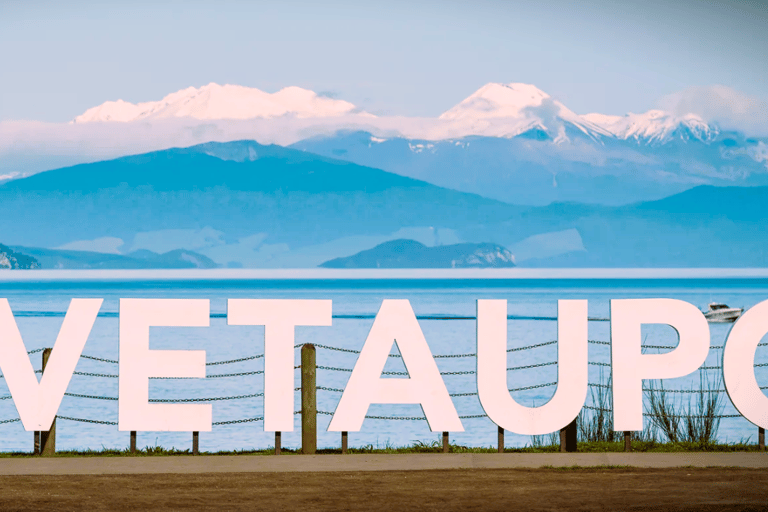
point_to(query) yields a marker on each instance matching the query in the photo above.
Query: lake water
(39, 305)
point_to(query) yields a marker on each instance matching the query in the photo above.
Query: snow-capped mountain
(512, 142)
(655, 127)
(499, 100)
(215, 101)
(494, 110)
(508, 110)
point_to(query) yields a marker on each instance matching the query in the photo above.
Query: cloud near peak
(730, 108)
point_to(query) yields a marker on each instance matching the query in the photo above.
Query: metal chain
(190, 400)
(531, 366)
(534, 387)
(215, 376)
(327, 347)
(244, 420)
(83, 420)
(231, 361)
(405, 418)
(88, 374)
(332, 368)
(337, 390)
(214, 363)
(91, 396)
(531, 346)
(671, 415)
(517, 349)
(9, 421)
(113, 361)
(167, 400)
(219, 375)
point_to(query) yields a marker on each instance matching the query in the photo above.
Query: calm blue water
(533, 305)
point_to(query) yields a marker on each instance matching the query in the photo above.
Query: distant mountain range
(533, 168)
(412, 254)
(494, 110)
(703, 227)
(62, 259)
(509, 166)
(511, 142)
(242, 204)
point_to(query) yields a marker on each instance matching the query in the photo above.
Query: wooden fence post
(568, 437)
(761, 438)
(37, 443)
(195, 443)
(133, 441)
(446, 444)
(277, 443)
(48, 439)
(627, 441)
(344, 446)
(501, 439)
(308, 400)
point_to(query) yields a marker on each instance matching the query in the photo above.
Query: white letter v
(37, 403)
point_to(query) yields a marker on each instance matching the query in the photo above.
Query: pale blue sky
(387, 57)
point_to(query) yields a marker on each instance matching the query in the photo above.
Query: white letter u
(572, 382)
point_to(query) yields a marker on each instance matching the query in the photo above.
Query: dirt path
(181, 464)
(444, 490)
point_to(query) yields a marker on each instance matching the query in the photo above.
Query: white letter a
(396, 321)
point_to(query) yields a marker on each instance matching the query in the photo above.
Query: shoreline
(408, 275)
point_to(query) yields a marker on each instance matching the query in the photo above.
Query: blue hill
(237, 188)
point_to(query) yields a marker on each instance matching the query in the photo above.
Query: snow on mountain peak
(655, 126)
(511, 109)
(214, 101)
(497, 100)
(494, 110)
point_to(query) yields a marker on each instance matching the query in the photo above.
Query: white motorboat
(719, 312)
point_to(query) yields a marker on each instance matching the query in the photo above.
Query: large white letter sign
(738, 365)
(571, 369)
(37, 403)
(138, 363)
(631, 366)
(396, 321)
(279, 317)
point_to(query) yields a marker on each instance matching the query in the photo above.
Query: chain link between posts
(338, 390)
